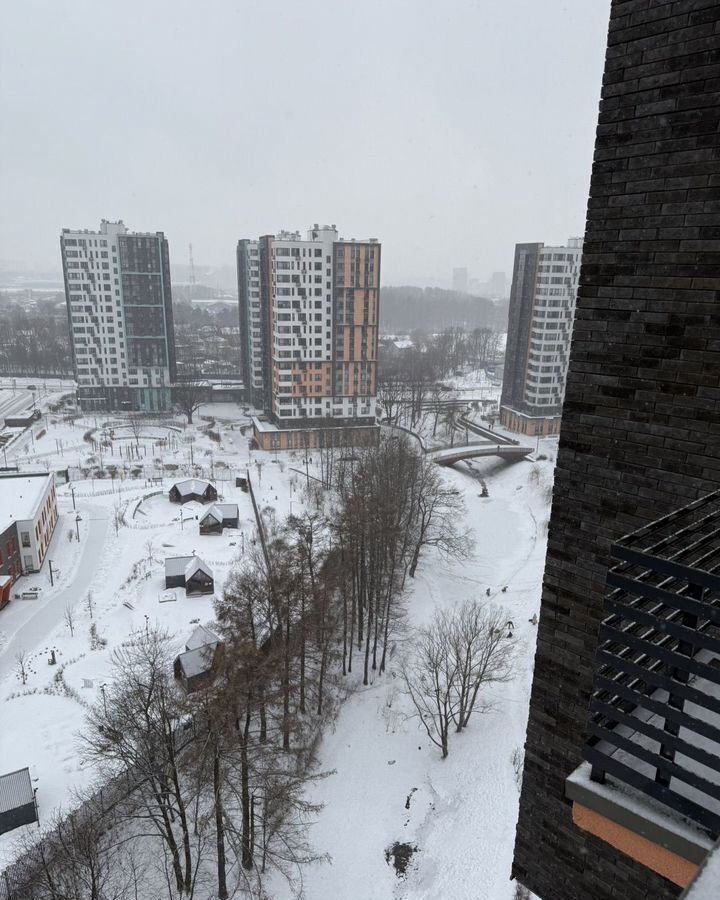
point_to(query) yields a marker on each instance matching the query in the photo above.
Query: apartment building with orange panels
(309, 312)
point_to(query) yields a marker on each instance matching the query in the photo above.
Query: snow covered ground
(121, 570)
(389, 783)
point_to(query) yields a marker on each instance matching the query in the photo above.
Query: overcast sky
(450, 130)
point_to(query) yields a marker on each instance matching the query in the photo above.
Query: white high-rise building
(308, 331)
(540, 322)
(119, 303)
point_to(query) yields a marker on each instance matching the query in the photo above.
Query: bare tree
(69, 618)
(135, 421)
(391, 392)
(81, 855)
(188, 396)
(429, 678)
(449, 419)
(462, 650)
(89, 603)
(150, 550)
(483, 652)
(22, 659)
(438, 393)
(438, 510)
(136, 730)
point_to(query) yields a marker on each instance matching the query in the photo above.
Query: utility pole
(52, 581)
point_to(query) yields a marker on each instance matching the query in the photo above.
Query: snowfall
(387, 783)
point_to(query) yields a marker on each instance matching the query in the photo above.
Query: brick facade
(641, 423)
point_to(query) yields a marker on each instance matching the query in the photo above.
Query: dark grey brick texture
(641, 423)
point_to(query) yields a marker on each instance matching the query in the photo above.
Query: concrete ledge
(670, 865)
(637, 827)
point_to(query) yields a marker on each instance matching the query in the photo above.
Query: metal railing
(654, 720)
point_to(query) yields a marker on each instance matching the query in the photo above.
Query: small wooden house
(189, 572)
(192, 489)
(17, 800)
(219, 516)
(196, 667)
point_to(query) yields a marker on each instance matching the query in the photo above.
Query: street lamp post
(72, 491)
(77, 526)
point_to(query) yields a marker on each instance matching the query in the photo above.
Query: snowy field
(388, 783)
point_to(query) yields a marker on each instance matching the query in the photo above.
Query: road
(49, 612)
(12, 403)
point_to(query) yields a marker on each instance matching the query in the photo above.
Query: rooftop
(192, 486)
(20, 496)
(195, 662)
(176, 565)
(201, 637)
(221, 511)
(15, 790)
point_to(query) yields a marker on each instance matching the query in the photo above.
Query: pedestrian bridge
(448, 456)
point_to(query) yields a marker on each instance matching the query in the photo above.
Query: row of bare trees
(393, 504)
(411, 380)
(34, 340)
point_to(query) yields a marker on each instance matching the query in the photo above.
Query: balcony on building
(650, 783)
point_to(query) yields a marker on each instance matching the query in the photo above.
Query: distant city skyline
(423, 130)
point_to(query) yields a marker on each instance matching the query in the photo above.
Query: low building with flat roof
(28, 515)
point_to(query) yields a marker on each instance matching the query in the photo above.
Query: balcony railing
(654, 723)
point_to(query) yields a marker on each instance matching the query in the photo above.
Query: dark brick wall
(641, 424)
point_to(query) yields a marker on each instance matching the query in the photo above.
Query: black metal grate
(655, 710)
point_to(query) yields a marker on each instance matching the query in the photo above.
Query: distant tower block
(309, 335)
(540, 322)
(119, 306)
(460, 280)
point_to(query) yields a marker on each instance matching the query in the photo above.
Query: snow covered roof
(262, 424)
(176, 565)
(197, 565)
(192, 486)
(403, 345)
(200, 637)
(15, 790)
(195, 662)
(4, 579)
(220, 511)
(20, 496)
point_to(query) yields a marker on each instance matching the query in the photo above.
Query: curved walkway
(50, 610)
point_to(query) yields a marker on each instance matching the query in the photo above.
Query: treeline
(207, 791)
(411, 381)
(34, 339)
(403, 309)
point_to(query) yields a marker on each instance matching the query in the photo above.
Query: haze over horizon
(449, 132)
